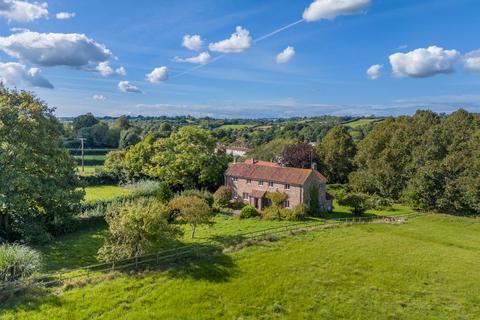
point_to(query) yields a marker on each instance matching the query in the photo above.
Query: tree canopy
(38, 185)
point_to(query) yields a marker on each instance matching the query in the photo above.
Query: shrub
(272, 213)
(222, 196)
(380, 203)
(248, 212)
(164, 193)
(237, 204)
(136, 227)
(202, 194)
(18, 261)
(357, 202)
(143, 188)
(299, 212)
(277, 198)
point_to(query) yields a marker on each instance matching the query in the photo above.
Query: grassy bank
(426, 269)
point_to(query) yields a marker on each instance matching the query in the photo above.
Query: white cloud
(239, 41)
(286, 55)
(374, 72)
(330, 9)
(105, 70)
(472, 61)
(65, 15)
(99, 97)
(202, 58)
(121, 71)
(194, 42)
(14, 73)
(54, 49)
(126, 86)
(424, 62)
(157, 75)
(23, 11)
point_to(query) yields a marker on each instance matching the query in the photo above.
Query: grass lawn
(425, 269)
(360, 122)
(104, 192)
(89, 170)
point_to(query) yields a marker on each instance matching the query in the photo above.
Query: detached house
(251, 180)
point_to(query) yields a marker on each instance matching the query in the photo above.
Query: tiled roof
(258, 193)
(262, 163)
(277, 173)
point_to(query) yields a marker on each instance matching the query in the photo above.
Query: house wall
(241, 186)
(312, 181)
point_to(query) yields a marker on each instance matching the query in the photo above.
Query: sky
(243, 58)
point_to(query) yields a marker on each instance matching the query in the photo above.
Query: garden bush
(202, 194)
(299, 212)
(272, 213)
(164, 192)
(18, 261)
(222, 197)
(248, 212)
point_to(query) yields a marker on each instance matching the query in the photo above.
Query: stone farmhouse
(251, 180)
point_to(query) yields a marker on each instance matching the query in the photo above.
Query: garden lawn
(425, 269)
(105, 192)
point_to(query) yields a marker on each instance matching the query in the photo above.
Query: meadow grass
(425, 269)
(236, 126)
(360, 122)
(105, 192)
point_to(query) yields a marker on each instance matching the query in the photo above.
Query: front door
(255, 202)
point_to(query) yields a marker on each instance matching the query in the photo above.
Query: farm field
(104, 192)
(425, 269)
(360, 122)
(236, 126)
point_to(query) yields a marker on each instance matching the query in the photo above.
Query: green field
(104, 192)
(236, 126)
(88, 170)
(360, 122)
(425, 269)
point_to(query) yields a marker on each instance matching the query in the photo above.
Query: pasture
(361, 122)
(425, 269)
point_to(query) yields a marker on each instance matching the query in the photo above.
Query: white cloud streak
(239, 41)
(126, 86)
(23, 11)
(192, 42)
(65, 15)
(202, 58)
(99, 97)
(54, 49)
(424, 62)
(472, 61)
(14, 73)
(330, 9)
(286, 55)
(158, 75)
(374, 72)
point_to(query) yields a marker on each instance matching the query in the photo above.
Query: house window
(249, 181)
(260, 183)
(287, 187)
(270, 184)
(245, 196)
(235, 194)
(286, 204)
(235, 179)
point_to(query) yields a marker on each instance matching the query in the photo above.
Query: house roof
(272, 172)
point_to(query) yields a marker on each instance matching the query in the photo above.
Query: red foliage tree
(299, 155)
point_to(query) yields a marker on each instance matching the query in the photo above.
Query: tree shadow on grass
(228, 240)
(207, 262)
(28, 300)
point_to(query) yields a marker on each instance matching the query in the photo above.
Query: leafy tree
(314, 205)
(84, 121)
(98, 133)
(129, 138)
(357, 202)
(193, 210)
(38, 186)
(271, 150)
(164, 193)
(299, 155)
(115, 165)
(336, 152)
(186, 159)
(223, 196)
(122, 122)
(134, 228)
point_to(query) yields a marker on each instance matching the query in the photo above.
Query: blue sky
(426, 50)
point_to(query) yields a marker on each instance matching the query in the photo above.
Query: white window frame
(246, 196)
(260, 182)
(249, 181)
(235, 179)
(235, 194)
(287, 186)
(270, 184)
(286, 204)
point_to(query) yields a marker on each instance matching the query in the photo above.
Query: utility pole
(82, 144)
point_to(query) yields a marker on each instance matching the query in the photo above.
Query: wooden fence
(181, 252)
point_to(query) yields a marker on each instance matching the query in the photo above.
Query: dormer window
(235, 179)
(249, 181)
(270, 184)
(260, 183)
(287, 187)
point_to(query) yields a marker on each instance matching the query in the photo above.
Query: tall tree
(38, 185)
(335, 153)
(299, 155)
(84, 121)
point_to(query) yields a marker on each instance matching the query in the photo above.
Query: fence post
(113, 266)
(136, 262)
